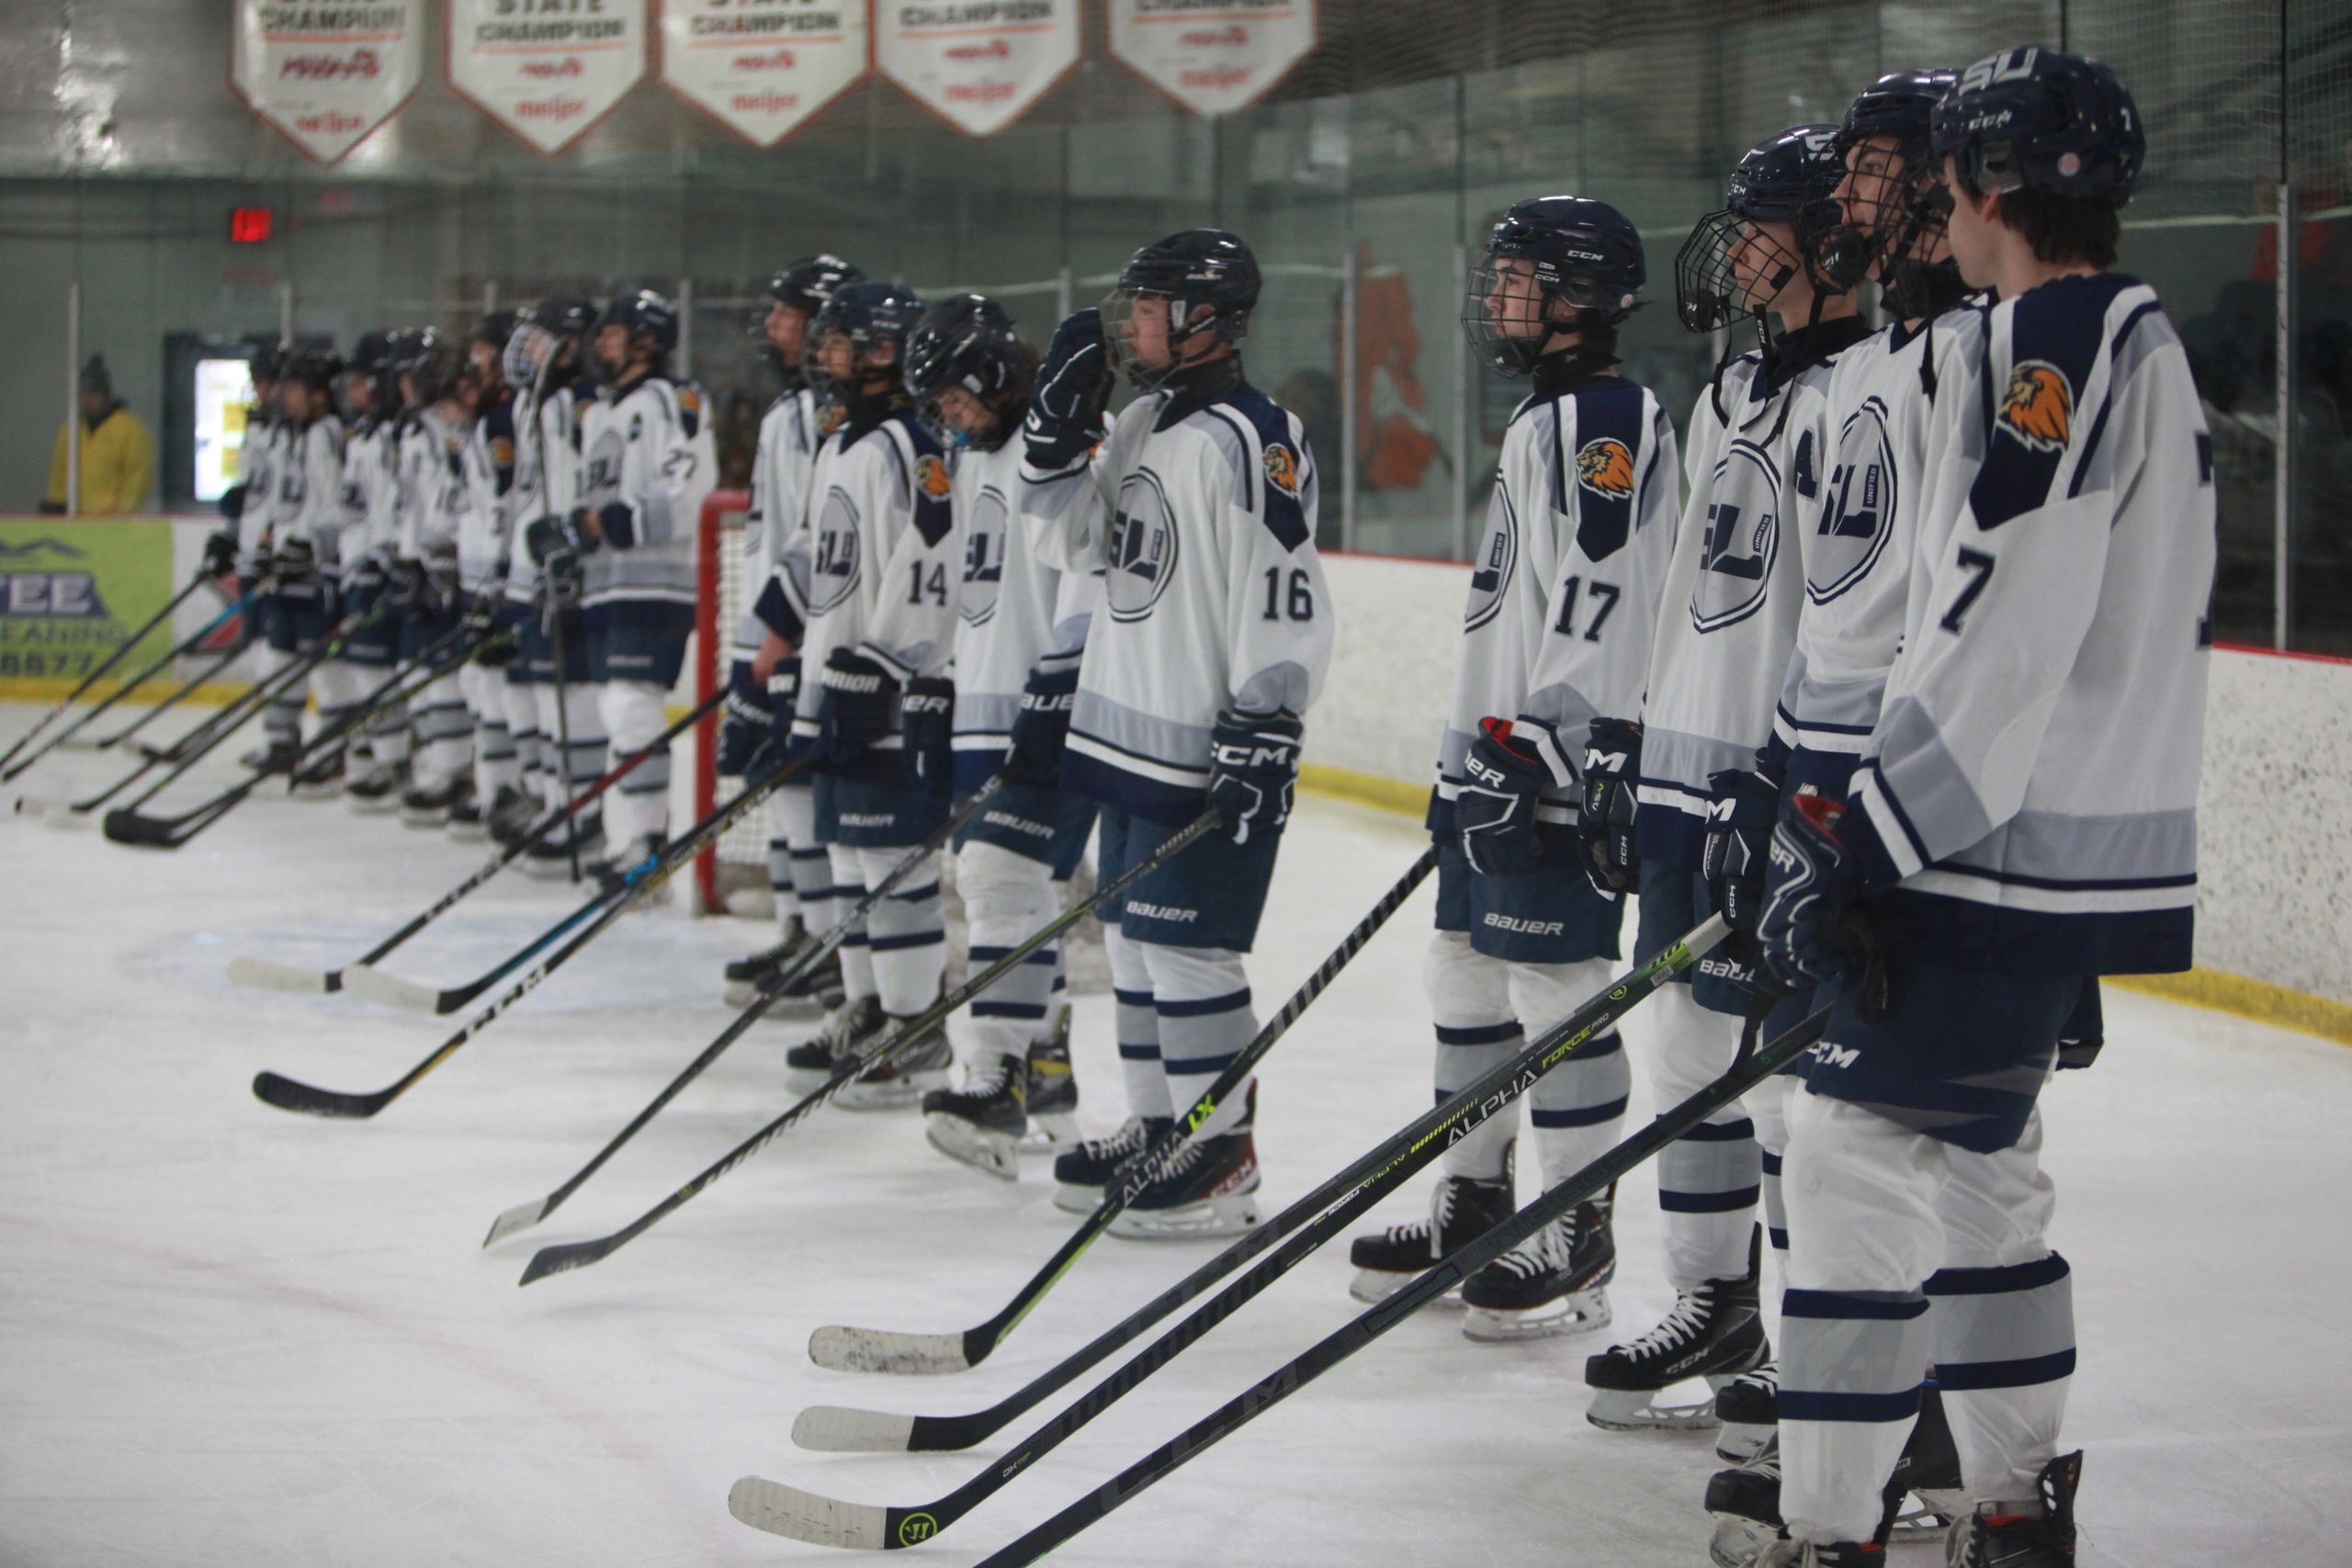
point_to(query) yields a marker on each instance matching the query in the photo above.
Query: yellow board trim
(51, 688)
(2214, 990)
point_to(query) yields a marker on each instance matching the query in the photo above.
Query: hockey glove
(294, 562)
(548, 536)
(1073, 387)
(492, 651)
(927, 719)
(1253, 769)
(784, 706)
(367, 578)
(749, 721)
(1807, 929)
(1613, 765)
(1042, 726)
(442, 595)
(1509, 769)
(219, 553)
(404, 585)
(1738, 857)
(854, 710)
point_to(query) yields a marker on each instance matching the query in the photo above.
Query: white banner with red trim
(547, 70)
(762, 67)
(978, 65)
(1211, 56)
(326, 75)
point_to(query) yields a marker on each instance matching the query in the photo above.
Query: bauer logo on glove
(1510, 768)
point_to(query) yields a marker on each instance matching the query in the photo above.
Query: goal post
(737, 864)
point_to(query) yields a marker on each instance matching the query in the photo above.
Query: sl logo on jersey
(2038, 406)
(1605, 466)
(930, 477)
(1282, 469)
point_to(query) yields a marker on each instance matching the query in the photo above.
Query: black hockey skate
(2036, 1533)
(378, 789)
(613, 875)
(322, 780)
(1208, 1189)
(1917, 1502)
(1554, 1282)
(1462, 1209)
(753, 972)
(846, 1028)
(1053, 1090)
(981, 1123)
(1715, 1331)
(428, 805)
(468, 820)
(1749, 1408)
(512, 816)
(1080, 1174)
(907, 1076)
(551, 859)
(271, 757)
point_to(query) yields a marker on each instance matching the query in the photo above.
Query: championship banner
(324, 77)
(71, 591)
(762, 68)
(978, 65)
(546, 71)
(1211, 56)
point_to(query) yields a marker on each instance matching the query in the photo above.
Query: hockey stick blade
(371, 984)
(788, 1511)
(837, 1430)
(264, 975)
(291, 1094)
(841, 1349)
(520, 1217)
(124, 826)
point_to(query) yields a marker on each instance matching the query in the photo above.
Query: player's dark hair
(2063, 229)
(1596, 334)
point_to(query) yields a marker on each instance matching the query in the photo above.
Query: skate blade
(956, 1138)
(907, 1088)
(1373, 1286)
(409, 819)
(1579, 1312)
(1212, 1219)
(1073, 1199)
(1637, 1410)
(1739, 1442)
(1929, 1516)
(1739, 1541)
(1050, 1130)
(741, 994)
(361, 807)
(464, 835)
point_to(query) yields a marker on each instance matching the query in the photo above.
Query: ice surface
(231, 1335)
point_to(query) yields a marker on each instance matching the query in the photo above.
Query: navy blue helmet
(968, 341)
(314, 366)
(644, 314)
(806, 284)
(431, 363)
(872, 316)
(537, 348)
(2037, 120)
(1566, 251)
(1196, 271)
(1893, 208)
(371, 362)
(265, 358)
(1732, 268)
(495, 328)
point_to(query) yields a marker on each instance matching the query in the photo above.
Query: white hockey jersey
(488, 532)
(647, 464)
(546, 477)
(371, 492)
(308, 477)
(776, 535)
(879, 505)
(257, 459)
(434, 495)
(1727, 618)
(1564, 588)
(2033, 776)
(1199, 511)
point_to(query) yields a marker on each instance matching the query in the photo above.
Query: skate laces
(1549, 1248)
(849, 1023)
(1128, 1140)
(1688, 1317)
(993, 1079)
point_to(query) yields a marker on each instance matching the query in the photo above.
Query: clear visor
(1137, 339)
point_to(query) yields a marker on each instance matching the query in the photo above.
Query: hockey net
(733, 873)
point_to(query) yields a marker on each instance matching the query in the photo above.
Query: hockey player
(549, 695)
(647, 465)
(765, 676)
(305, 546)
(971, 375)
(424, 587)
(879, 612)
(483, 546)
(1563, 600)
(2021, 816)
(1214, 635)
(371, 516)
(244, 506)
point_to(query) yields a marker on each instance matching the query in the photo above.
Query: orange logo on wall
(1606, 467)
(2038, 406)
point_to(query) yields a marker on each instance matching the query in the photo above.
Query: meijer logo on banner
(978, 65)
(1212, 57)
(546, 73)
(762, 67)
(326, 76)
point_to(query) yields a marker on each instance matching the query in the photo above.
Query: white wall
(2274, 805)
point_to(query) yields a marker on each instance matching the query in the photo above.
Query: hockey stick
(121, 650)
(1370, 1325)
(1371, 1175)
(291, 1094)
(523, 1217)
(551, 614)
(128, 825)
(270, 976)
(580, 1254)
(157, 710)
(881, 1350)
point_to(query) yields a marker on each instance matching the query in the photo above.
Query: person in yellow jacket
(118, 452)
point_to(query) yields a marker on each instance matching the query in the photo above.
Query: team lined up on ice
(1896, 661)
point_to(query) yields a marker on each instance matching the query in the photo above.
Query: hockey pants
(903, 949)
(639, 807)
(444, 732)
(1907, 1251)
(1184, 1015)
(496, 761)
(1485, 1009)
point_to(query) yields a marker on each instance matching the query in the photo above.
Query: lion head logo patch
(2038, 406)
(931, 477)
(1282, 469)
(1605, 466)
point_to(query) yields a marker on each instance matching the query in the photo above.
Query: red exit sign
(249, 225)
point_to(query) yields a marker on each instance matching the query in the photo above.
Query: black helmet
(1194, 269)
(645, 314)
(1776, 182)
(533, 351)
(371, 363)
(871, 315)
(968, 341)
(806, 284)
(315, 367)
(431, 364)
(495, 329)
(1582, 253)
(2038, 120)
(1908, 214)
(265, 358)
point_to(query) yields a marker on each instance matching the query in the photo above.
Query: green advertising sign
(70, 591)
